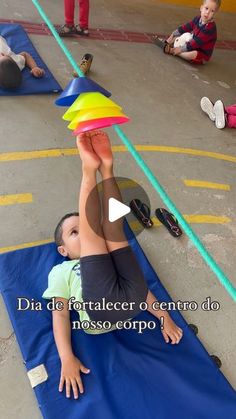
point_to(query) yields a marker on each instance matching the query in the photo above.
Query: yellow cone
(88, 101)
(96, 113)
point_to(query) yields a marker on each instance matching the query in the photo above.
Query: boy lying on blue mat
(12, 64)
(102, 265)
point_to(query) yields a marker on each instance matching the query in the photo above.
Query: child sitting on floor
(12, 64)
(102, 265)
(199, 49)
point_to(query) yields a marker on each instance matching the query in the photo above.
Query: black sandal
(163, 44)
(169, 221)
(66, 30)
(141, 212)
(159, 42)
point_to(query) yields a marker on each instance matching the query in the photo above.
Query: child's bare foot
(171, 330)
(102, 147)
(87, 154)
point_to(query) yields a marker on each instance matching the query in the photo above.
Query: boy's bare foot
(102, 147)
(171, 331)
(87, 154)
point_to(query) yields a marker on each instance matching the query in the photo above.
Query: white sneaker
(219, 114)
(208, 108)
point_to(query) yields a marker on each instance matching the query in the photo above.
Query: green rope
(152, 179)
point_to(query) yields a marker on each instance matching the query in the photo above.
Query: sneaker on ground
(82, 31)
(67, 30)
(208, 107)
(220, 114)
(85, 64)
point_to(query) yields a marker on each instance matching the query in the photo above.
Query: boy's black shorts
(115, 276)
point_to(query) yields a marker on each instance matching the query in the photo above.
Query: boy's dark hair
(58, 230)
(10, 74)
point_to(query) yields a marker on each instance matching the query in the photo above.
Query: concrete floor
(161, 95)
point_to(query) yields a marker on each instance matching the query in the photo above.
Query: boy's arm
(70, 365)
(30, 62)
(204, 36)
(187, 27)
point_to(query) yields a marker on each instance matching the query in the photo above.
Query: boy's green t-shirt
(64, 281)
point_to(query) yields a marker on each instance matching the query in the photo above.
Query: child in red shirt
(204, 34)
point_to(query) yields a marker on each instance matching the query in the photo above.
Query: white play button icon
(116, 210)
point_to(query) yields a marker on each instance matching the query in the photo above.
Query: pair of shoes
(216, 112)
(82, 31)
(67, 30)
(85, 64)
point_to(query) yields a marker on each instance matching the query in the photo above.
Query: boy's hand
(171, 39)
(70, 376)
(87, 154)
(37, 72)
(171, 330)
(177, 51)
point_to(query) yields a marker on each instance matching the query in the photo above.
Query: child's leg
(92, 240)
(130, 275)
(99, 276)
(189, 55)
(69, 8)
(83, 13)
(128, 283)
(117, 275)
(192, 56)
(231, 110)
(113, 231)
(231, 121)
(230, 116)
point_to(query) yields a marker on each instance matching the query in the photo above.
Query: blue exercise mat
(19, 41)
(133, 376)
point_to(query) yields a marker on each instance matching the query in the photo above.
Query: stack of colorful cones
(90, 107)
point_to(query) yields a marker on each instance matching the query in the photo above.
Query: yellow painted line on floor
(21, 198)
(202, 184)
(127, 184)
(191, 219)
(226, 5)
(206, 219)
(199, 219)
(122, 184)
(24, 245)
(38, 154)
(135, 225)
(30, 155)
(191, 151)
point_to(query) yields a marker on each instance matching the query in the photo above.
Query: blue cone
(77, 86)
